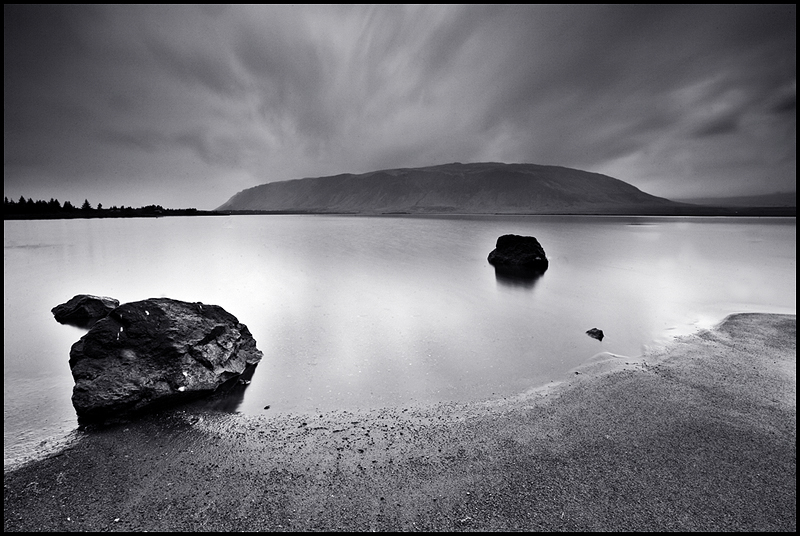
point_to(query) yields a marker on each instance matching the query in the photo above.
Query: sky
(184, 106)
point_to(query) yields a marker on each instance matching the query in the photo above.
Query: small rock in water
(596, 334)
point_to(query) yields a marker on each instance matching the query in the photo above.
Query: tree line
(40, 209)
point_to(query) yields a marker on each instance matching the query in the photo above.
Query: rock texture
(84, 309)
(156, 352)
(519, 252)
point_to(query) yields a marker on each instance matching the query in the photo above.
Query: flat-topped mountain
(479, 188)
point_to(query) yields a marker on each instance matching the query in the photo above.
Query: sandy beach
(696, 436)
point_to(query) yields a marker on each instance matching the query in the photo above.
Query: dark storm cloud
(785, 104)
(34, 40)
(219, 151)
(195, 67)
(608, 69)
(149, 141)
(674, 99)
(721, 125)
(288, 78)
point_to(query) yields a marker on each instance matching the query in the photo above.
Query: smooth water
(356, 311)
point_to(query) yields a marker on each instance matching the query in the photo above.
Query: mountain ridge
(474, 188)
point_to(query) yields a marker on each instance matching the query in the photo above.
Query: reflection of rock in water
(519, 261)
(515, 276)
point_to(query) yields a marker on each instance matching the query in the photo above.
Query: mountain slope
(480, 188)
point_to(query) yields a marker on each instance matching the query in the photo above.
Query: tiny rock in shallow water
(596, 334)
(156, 352)
(84, 310)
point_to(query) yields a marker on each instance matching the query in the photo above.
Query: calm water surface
(382, 311)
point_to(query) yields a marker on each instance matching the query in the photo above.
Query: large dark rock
(84, 309)
(156, 352)
(514, 252)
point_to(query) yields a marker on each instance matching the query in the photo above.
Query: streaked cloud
(186, 105)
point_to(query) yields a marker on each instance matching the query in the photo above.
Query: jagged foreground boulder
(156, 352)
(84, 310)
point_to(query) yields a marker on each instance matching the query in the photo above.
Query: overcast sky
(184, 106)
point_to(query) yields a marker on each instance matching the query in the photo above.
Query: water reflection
(372, 311)
(515, 276)
(230, 395)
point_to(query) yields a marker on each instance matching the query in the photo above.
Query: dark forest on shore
(28, 209)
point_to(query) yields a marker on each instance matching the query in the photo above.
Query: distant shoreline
(766, 212)
(697, 436)
(672, 211)
(109, 214)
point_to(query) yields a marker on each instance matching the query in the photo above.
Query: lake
(359, 311)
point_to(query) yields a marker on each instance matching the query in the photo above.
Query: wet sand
(700, 435)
